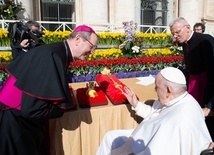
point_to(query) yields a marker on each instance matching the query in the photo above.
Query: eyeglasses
(179, 31)
(92, 45)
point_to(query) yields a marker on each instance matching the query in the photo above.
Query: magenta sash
(11, 95)
(196, 87)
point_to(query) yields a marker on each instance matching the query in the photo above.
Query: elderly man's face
(180, 32)
(161, 89)
(87, 46)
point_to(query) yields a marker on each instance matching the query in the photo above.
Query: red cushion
(107, 85)
(86, 101)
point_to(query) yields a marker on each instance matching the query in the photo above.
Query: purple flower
(130, 28)
(119, 75)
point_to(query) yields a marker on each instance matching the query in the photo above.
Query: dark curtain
(56, 12)
(49, 12)
(65, 12)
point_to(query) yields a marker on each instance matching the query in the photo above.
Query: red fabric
(107, 85)
(86, 101)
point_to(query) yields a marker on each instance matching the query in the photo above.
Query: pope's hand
(130, 95)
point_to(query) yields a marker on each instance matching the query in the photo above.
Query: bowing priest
(37, 90)
(173, 125)
(198, 51)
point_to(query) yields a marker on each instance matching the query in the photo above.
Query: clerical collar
(69, 56)
(190, 36)
(174, 101)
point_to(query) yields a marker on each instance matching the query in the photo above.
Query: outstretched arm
(130, 95)
(140, 108)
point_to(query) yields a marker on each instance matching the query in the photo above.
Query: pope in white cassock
(174, 125)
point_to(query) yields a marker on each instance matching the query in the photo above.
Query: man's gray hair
(178, 88)
(178, 20)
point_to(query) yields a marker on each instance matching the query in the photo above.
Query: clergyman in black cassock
(37, 90)
(199, 62)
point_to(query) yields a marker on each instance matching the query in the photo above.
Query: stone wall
(116, 11)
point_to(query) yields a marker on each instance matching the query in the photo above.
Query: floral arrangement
(175, 48)
(128, 46)
(3, 76)
(4, 39)
(141, 61)
(121, 67)
(106, 53)
(159, 52)
(136, 41)
(117, 53)
(9, 9)
(105, 38)
(55, 36)
(130, 28)
(80, 67)
(153, 39)
(5, 56)
(110, 38)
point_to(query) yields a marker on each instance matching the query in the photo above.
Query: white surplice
(175, 129)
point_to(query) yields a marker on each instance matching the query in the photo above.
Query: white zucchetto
(173, 74)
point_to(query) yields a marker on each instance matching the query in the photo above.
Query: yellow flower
(157, 52)
(5, 56)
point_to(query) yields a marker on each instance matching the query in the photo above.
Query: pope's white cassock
(175, 129)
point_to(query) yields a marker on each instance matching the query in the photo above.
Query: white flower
(135, 49)
(180, 48)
